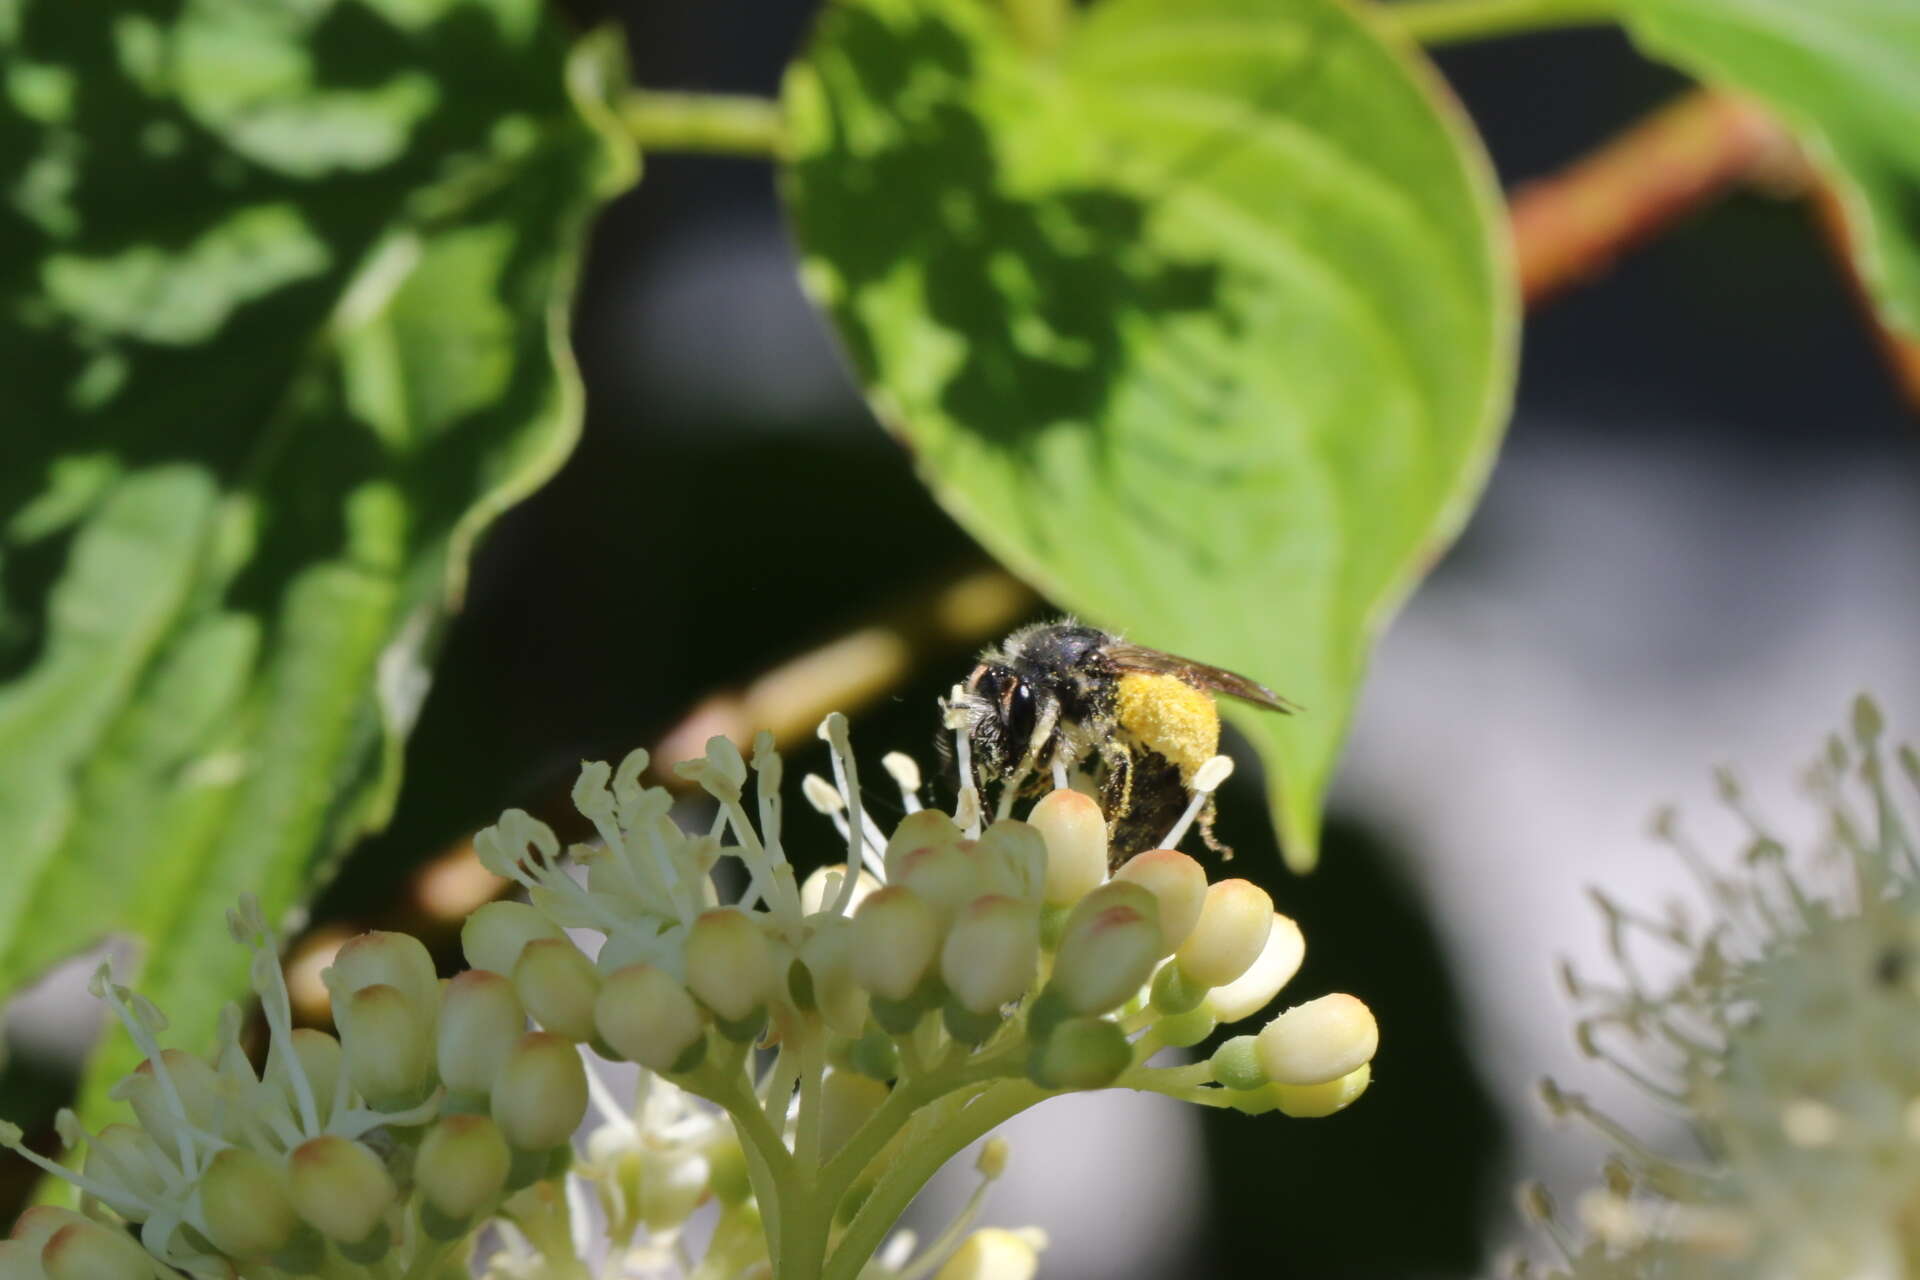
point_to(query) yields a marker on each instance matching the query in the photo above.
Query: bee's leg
(1205, 823)
(1116, 789)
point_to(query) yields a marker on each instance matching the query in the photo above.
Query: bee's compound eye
(1018, 706)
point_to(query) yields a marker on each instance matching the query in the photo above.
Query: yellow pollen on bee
(1168, 715)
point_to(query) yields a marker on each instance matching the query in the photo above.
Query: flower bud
(945, 878)
(647, 1017)
(480, 1022)
(828, 955)
(1080, 1053)
(894, 940)
(122, 1155)
(925, 829)
(1236, 1064)
(199, 1091)
(1179, 884)
(557, 986)
(847, 1099)
(540, 1095)
(1109, 948)
(397, 960)
(1011, 859)
(1311, 1101)
(461, 1167)
(821, 889)
(1076, 838)
(339, 1188)
(1318, 1041)
(730, 963)
(244, 1199)
(493, 936)
(672, 1185)
(992, 1253)
(1234, 922)
(1275, 966)
(37, 1224)
(389, 1049)
(319, 1057)
(991, 953)
(87, 1250)
(19, 1261)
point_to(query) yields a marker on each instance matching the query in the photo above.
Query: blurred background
(1702, 538)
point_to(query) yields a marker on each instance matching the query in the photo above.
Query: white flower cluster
(803, 1055)
(1790, 1042)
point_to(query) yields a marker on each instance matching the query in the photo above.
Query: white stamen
(1206, 780)
(905, 772)
(1060, 780)
(821, 795)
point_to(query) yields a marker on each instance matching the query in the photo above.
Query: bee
(1057, 698)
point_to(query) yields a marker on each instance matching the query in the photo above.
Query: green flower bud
(389, 1048)
(481, 1020)
(1184, 1030)
(340, 1188)
(396, 960)
(244, 1199)
(493, 936)
(1080, 1053)
(895, 938)
(1318, 1041)
(1177, 882)
(1075, 832)
(992, 1253)
(926, 829)
(1233, 927)
(1275, 966)
(991, 953)
(1311, 1101)
(828, 956)
(648, 1017)
(1010, 858)
(1236, 1064)
(727, 1168)
(1109, 948)
(540, 1095)
(87, 1250)
(945, 878)
(461, 1167)
(730, 964)
(557, 986)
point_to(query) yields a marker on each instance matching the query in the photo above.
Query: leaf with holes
(1198, 316)
(284, 298)
(1843, 75)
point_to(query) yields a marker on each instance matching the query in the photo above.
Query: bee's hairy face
(1002, 711)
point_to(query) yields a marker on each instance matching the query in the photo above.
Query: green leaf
(283, 307)
(1200, 319)
(1844, 75)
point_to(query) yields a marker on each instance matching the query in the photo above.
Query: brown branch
(1572, 225)
(1901, 352)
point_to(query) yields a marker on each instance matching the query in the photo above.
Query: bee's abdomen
(1167, 715)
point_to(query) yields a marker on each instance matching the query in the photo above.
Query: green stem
(1438, 22)
(718, 123)
(919, 1162)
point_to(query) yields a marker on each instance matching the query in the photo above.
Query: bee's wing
(1133, 657)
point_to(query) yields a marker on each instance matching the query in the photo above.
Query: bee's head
(1002, 712)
